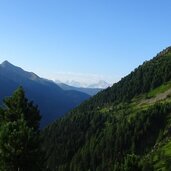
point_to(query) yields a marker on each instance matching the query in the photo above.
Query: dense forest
(124, 128)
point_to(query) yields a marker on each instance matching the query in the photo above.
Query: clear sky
(83, 39)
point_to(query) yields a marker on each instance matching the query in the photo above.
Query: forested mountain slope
(124, 128)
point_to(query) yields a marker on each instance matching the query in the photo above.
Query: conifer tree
(19, 134)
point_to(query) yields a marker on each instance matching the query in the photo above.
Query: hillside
(124, 128)
(53, 101)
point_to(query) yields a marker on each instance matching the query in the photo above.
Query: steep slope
(125, 127)
(51, 99)
(89, 91)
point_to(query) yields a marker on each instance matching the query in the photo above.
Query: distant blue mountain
(52, 100)
(89, 91)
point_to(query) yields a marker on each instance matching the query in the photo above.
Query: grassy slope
(142, 102)
(161, 153)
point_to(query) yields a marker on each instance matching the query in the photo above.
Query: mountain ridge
(52, 100)
(89, 91)
(101, 84)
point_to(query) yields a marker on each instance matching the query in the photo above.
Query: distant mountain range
(53, 101)
(89, 91)
(99, 85)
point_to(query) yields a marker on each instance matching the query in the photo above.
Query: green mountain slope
(125, 127)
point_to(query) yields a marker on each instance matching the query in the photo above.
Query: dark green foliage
(95, 143)
(131, 163)
(19, 134)
(18, 105)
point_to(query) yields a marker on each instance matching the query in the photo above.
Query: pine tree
(19, 134)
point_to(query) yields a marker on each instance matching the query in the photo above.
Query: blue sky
(84, 40)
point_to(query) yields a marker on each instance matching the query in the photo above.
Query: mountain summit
(14, 71)
(6, 63)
